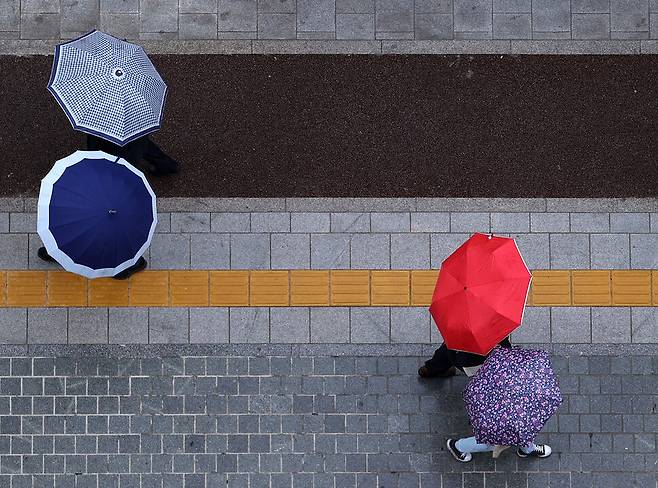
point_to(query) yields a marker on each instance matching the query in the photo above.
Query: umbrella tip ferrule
(111, 211)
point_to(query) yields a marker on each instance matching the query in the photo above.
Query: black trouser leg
(440, 362)
(162, 163)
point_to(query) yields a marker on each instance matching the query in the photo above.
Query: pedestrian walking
(445, 362)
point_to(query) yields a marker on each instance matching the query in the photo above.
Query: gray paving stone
(291, 251)
(168, 325)
(512, 26)
(610, 251)
(590, 6)
(590, 222)
(535, 249)
(164, 223)
(120, 6)
(535, 327)
(290, 325)
(644, 320)
(21, 222)
(10, 15)
(250, 251)
(209, 325)
(237, 16)
(87, 325)
(270, 222)
(350, 222)
(79, 15)
(13, 251)
(47, 326)
(410, 251)
(430, 222)
(316, 15)
(394, 21)
(234, 222)
(433, 26)
(128, 325)
(473, 15)
(187, 222)
(4, 223)
(13, 326)
(510, 222)
(469, 222)
(355, 26)
(159, 15)
(551, 15)
(611, 325)
(330, 251)
(276, 26)
(570, 325)
(34, 262)
(123, 26)
(355, 6)
(572, 47)
(629, 15)
(590, 26)
(569, 251)
(390, 222)
(40, 6)
(643, 251)
(629, 222)
(310, 222)
(654, 223)
(369, 325)
(197, 6)
(210, 251)
(170, 251)
(410, 325)
(277, 6)
(370, 251)
(443, 245)
(549, 222)
(249, 325)
(330, 325)
(512, 6)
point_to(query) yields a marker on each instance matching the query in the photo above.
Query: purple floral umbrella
(512, 396)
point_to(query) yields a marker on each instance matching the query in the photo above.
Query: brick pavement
(357, 25)
(277, 416)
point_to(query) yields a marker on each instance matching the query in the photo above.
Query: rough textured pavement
(380, 126)
(248, 418)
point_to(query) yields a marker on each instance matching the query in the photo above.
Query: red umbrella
(480, 294)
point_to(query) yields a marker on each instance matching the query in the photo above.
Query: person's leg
(161, 163)
(462, 449)
(438, 365)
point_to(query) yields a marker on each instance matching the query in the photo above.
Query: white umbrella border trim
(43, 215)
(52, 89)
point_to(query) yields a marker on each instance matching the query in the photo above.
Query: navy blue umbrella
(96, 213)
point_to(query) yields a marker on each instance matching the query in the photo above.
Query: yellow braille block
(229, 288)
(631, 287)
(149, 289)
(389, 288)
(269, 289)
(309, 288)
(108, 292)
(654, 286)
(3, 288)
(66, 289)
(551, 288)
(26, 288)
(350, 287)
(528, 300)
(189, 288)
(591, 288)
(422, 286)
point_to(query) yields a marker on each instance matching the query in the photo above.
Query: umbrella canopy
(511, 397)
(480, 293)
(107, 87)
(96, 213)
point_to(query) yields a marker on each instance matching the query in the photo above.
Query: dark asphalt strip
(385, 126)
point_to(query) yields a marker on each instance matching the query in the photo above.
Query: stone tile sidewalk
(251, 417)
(318, 24)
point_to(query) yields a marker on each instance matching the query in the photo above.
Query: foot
(540, 451)
(128, 272)
(43, 254)
(462, 457)
(423, 372)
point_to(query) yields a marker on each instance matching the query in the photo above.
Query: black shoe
(540, 451)
(128, 272)
(462, 457)
(423, 372)
(43, 254)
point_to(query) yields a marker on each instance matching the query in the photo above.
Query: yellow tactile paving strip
(314, 288)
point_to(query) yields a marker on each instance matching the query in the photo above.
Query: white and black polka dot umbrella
(108, 87)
